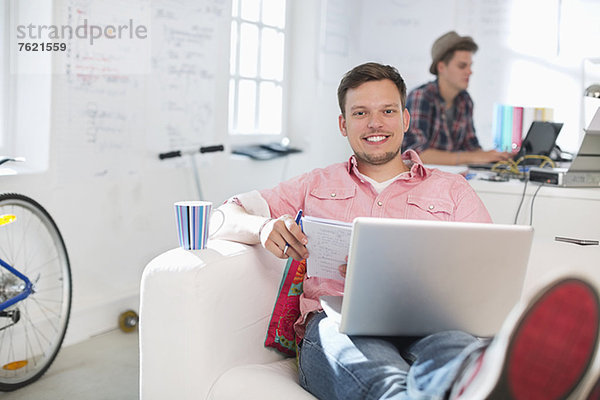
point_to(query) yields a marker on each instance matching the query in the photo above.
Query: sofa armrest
(203, 312)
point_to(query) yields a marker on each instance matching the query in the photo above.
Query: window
(256, 86)
(4, 68)
(25, 87)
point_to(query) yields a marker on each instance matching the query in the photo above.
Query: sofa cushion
(281, 334)
(273, 381)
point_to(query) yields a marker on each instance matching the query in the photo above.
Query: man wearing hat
(441, 128)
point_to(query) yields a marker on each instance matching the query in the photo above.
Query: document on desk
(328, 245)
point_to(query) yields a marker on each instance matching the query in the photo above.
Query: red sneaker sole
(553, 344)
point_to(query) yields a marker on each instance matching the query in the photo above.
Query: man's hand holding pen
(284, 238)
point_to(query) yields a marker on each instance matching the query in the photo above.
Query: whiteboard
(160, 91)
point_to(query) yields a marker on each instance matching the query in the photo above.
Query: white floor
(104, 367)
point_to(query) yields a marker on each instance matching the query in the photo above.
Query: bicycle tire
(33, 245)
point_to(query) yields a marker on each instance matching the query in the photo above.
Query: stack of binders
(511, 123)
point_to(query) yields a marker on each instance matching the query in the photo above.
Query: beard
(377, 159)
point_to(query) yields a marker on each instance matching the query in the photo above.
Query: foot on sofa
(544, 350)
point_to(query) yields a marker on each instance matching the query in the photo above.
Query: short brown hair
(369, 72)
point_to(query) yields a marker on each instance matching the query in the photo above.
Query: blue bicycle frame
(21, 296)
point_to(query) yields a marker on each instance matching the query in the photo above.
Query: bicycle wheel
(32, 244)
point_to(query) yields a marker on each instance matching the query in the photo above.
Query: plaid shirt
(428, 122)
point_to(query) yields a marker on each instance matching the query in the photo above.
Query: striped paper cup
(193, 219)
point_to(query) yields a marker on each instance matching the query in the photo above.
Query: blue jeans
(333, 365)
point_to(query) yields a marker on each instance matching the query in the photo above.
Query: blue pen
(298, 221)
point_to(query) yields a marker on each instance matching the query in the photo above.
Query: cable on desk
(518, 168)
(532, 200)
(521, 202)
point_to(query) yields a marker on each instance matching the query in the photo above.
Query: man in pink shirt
(379, 181)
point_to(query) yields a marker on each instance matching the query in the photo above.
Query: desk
(570, 212)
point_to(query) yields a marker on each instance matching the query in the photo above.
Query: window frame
(257, 136)
(27, 91)
(5, 83)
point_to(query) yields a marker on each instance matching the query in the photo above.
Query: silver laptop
(584, 171)
(409, 277)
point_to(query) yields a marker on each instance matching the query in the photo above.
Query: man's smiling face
(374, 122)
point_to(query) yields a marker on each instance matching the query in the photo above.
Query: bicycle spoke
(6, 245)
(43, 266)
(37, 333)
(46, 311)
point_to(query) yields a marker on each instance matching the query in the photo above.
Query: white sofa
(204, 316)
(203, 319)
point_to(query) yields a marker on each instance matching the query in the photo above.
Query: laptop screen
(540, 138)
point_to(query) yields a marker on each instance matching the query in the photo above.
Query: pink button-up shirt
(340, 192)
